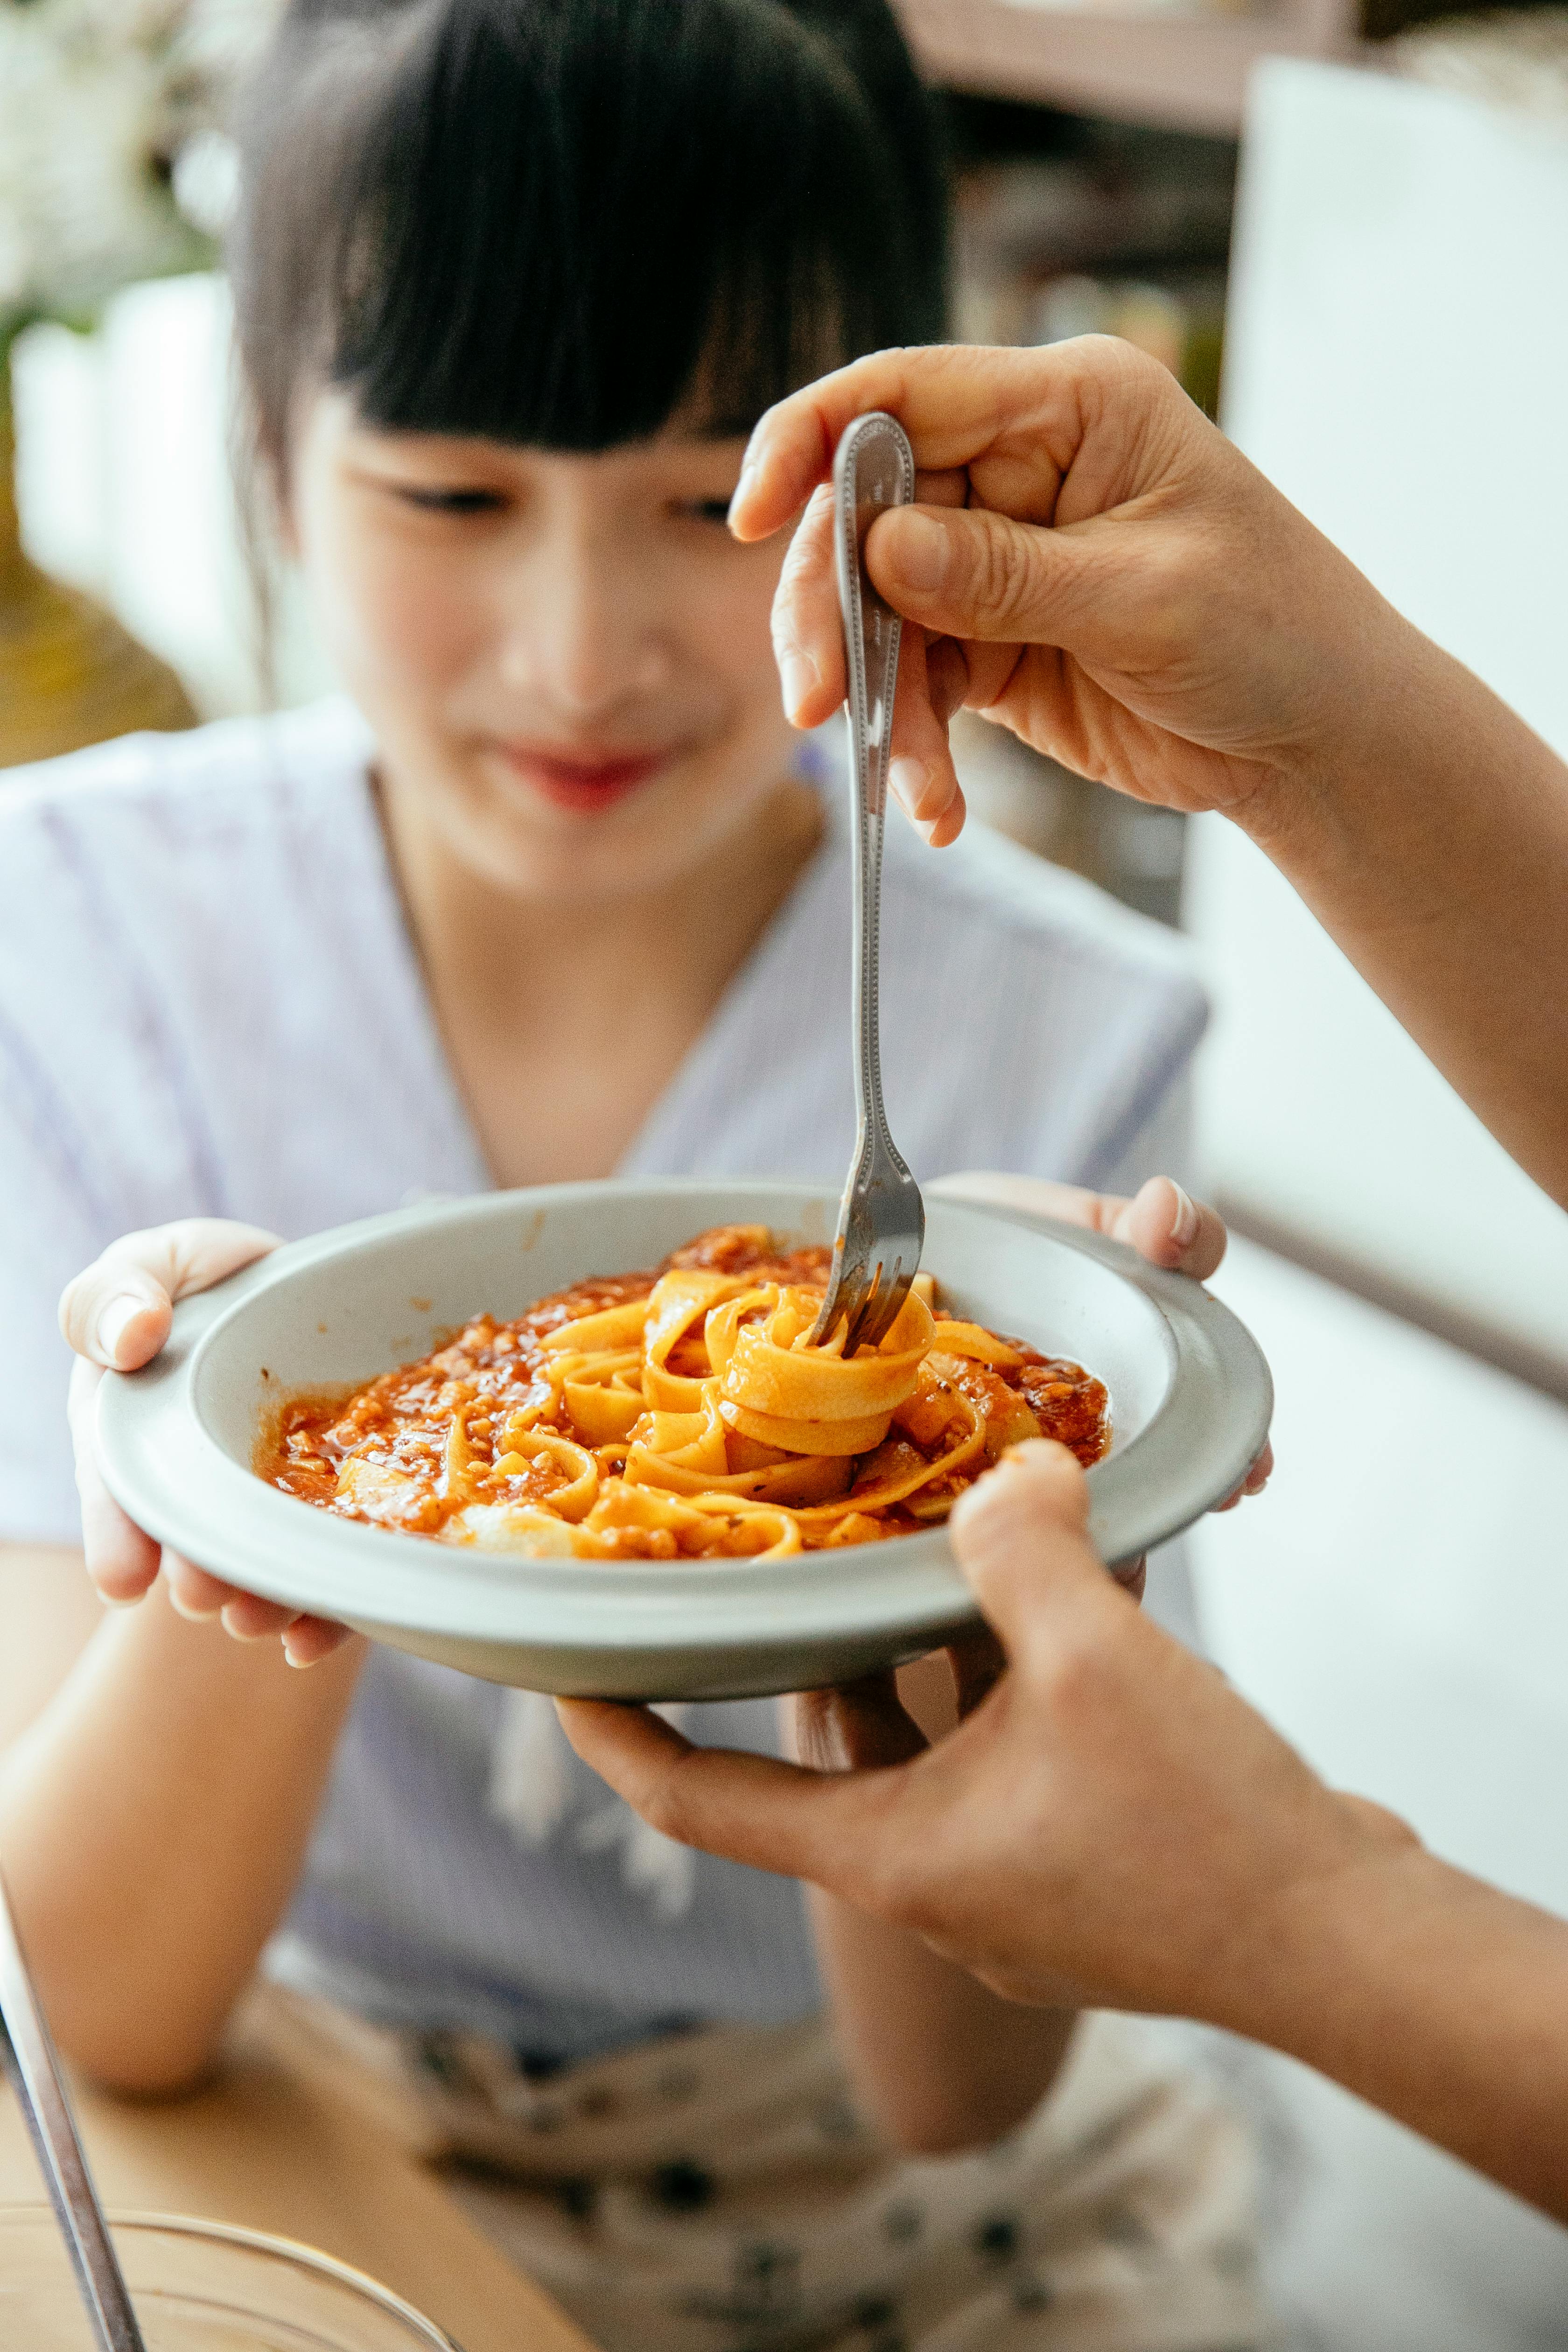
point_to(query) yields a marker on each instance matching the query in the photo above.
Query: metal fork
(881, 1221)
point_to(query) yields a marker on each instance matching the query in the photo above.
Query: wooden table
(283, 2141)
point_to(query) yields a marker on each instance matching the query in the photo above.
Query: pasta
(682, 1413)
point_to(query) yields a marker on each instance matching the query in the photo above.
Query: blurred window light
(1396, 347)
(124, 485)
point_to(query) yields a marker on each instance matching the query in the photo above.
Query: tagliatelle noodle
(695, 1419)
(774, 1386)
(677, 1301)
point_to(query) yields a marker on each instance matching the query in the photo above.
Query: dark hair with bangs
(565, 221)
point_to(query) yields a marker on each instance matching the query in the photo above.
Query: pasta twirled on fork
(683, 1413)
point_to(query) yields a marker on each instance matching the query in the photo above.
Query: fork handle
(27, 2055)
(873, 470)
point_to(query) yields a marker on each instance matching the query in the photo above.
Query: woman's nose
(578, 635)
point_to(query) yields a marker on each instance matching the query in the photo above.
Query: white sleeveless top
(192, 929)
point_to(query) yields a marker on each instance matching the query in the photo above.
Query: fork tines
(866, 1298)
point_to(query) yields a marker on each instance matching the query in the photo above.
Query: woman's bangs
(558, 243)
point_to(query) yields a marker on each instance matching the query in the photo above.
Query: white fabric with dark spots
(720, 2193)
(210, 1006)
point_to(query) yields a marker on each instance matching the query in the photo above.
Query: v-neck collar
(766, 964)
(415, 1013)
(779, 950)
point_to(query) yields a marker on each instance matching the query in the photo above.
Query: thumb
(967, 572)
(1021, 1537)
(117, 1311)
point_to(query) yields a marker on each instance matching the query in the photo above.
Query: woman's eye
(706, 511)
(456, 502)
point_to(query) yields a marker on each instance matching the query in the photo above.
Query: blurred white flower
(207, 181)
(113, 162)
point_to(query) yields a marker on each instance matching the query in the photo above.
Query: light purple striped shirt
(210, 1006)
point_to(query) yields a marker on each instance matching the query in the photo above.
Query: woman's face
(565, 659)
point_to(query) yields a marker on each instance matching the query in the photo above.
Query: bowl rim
(261, 2242)
(175, 1479)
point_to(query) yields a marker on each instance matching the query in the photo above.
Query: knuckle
(788, 636)
(898, 1866)
(1074, 1676)
(665, 1805)
(810, 547)
(1005, 573)
(77, 1301)
(898, 1889)
(143, 1248)
(1118, 367)
(802, 563)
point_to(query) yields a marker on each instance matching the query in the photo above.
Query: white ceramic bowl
(1190, 1400)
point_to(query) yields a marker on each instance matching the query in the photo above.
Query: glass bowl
(201, 2286)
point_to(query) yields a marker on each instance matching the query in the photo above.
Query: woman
(553, 898)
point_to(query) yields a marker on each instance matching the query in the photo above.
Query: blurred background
(1346, 235)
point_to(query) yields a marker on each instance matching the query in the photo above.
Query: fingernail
(743, 489)
(907, 779)
(921, 556)
(1185, 1231)
(236, 1633)
(797, 675)
(116, 1320)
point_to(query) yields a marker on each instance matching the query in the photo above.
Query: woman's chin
(647, 842)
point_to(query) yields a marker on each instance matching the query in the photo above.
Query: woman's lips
(584, 785)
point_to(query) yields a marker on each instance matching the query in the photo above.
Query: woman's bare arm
(938, 2059)
(159, 1772)
(155, 1807)
(50, 1613)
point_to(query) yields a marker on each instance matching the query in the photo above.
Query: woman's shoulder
(255, 774)
(161, 850)
(207, 1002)
(168, 905)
